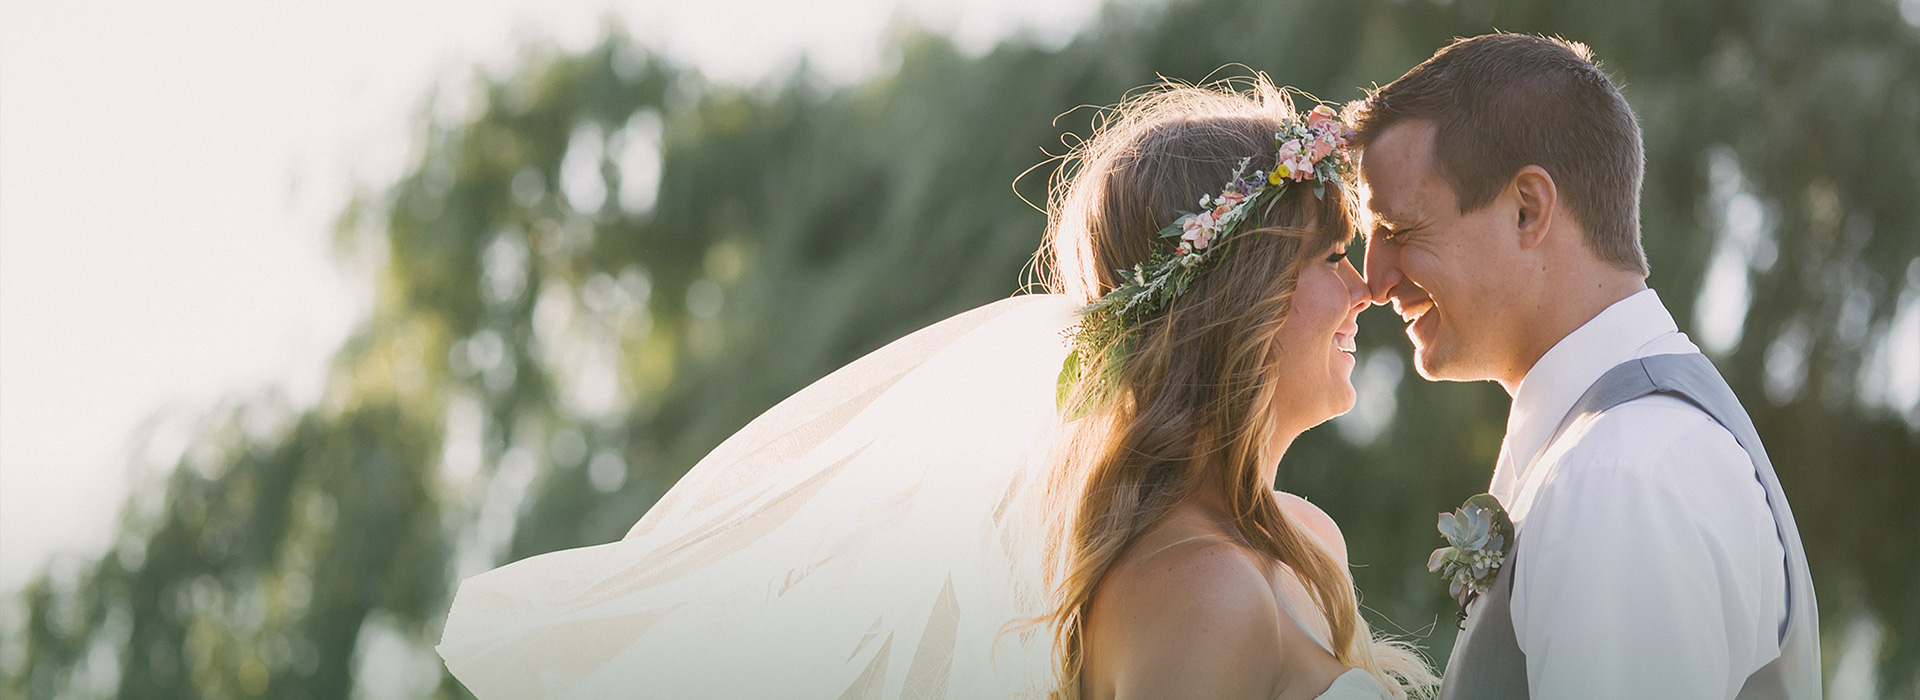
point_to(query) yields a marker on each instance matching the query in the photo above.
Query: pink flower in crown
(1230, 199)
(1321, 118)
(1197, 229)
(1293, 165)
(1320, 147)
(1289, 149)
(1300, 168)
(1328, 132)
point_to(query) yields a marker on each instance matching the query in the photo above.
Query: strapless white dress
(1355, 684)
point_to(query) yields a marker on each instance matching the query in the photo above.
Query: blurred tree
(608, 265)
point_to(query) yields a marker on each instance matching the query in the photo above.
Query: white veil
(868, 537)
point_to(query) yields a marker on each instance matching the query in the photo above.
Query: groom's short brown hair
(1501, 102)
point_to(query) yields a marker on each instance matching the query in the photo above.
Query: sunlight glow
(1745, 244)
(166, 231)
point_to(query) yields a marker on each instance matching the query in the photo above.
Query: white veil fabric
(869, 537)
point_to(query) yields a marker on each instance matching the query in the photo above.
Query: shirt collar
(1565, 373)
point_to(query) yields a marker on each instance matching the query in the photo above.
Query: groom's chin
(1432, 365)
(1443, 367)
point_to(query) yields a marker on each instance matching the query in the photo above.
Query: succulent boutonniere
(1481, 534)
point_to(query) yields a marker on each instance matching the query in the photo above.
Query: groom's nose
(1381, 268)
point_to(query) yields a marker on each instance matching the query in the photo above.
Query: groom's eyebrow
(1376, 209)
(1379, 210)
(1383, 215)
(1397, 213)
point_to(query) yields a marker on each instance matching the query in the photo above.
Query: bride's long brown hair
(1184, 402)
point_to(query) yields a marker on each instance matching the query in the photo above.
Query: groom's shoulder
(1660, 467)
(1663, 439)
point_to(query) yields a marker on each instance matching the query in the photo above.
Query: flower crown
(1314, 150)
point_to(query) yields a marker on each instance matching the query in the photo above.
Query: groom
(1655, 556)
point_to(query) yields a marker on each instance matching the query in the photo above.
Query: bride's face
(1314, 350)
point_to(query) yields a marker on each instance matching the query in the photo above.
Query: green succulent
(1480, 535)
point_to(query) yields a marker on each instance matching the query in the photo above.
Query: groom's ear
(1535, 197)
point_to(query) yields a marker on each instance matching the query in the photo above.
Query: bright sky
(169, 171)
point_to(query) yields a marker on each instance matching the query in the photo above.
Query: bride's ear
(1536, 195)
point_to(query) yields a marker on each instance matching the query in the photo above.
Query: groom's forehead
(1395, 165)
(1384, 191)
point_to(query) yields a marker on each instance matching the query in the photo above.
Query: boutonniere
(1480, 535)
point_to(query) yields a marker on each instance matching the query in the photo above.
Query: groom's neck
(1566, 302)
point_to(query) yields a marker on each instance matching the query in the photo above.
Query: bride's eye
(1336, 257)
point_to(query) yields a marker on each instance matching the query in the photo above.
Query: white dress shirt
(1649, 565)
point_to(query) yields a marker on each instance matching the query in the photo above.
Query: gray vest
(1487, 661)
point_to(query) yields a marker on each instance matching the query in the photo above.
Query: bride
(1065, 495)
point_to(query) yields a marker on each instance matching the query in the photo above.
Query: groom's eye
(1392, 233)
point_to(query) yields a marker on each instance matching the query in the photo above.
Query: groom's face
(1441, 268)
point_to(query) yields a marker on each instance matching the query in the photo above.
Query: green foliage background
(798, 225)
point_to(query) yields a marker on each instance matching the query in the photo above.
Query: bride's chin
(1349, 398)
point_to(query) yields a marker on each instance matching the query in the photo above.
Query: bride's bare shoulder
(1203, 566)
(1317, 522)
(1191, 616)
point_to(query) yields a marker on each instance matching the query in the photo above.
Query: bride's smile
(1314, 350)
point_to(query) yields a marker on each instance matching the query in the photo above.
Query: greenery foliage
(556, 339)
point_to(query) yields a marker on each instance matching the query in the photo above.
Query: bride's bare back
(1190, 612)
